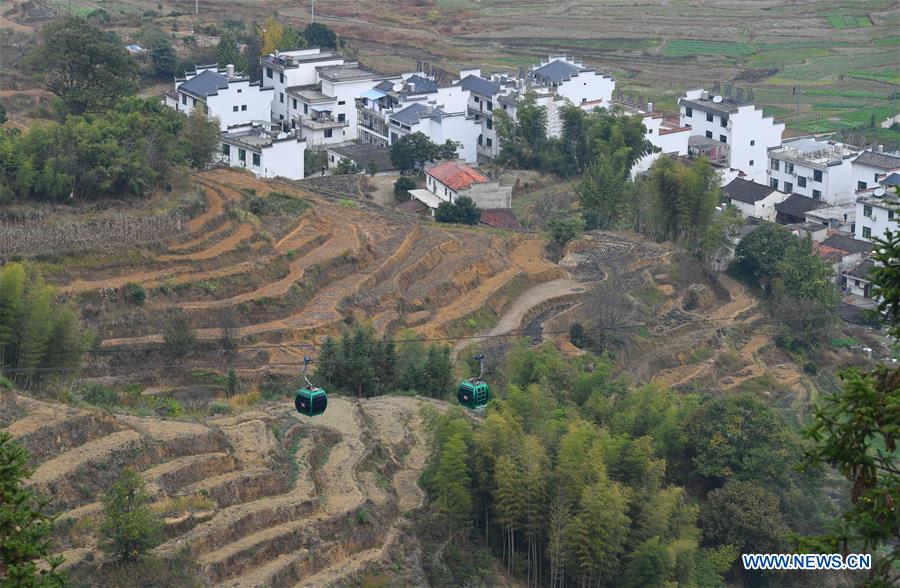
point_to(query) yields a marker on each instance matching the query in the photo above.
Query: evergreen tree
(603, 194)
(319, 35)
(129, 528)
(200, 137)
(452, 480)
(603, 511)
(163, 58)
(510, 502)
(650, 566)
(25, 529)
(438, 371)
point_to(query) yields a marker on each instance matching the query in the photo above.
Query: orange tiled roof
(456, 175)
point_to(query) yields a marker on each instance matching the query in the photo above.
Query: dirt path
(243, 232)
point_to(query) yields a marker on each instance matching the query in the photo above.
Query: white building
(286, 69)
(222, 93)
(752, 199)
(857, 280)
(266, 150)
(877, 213)
(447, 181)
(813, 167)
(572, 80)
(735, 132)
(870, 167)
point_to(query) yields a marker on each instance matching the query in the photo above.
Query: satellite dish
(398, 88)
(717, 99)
(879, 192)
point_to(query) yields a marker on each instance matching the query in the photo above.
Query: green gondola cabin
(311, 401)
(473, 394)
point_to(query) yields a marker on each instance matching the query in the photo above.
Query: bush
(218, 407)
(362, 517)
(135, 293)
(129, 528)
(402, 187)
(5, 383)
(178, 334)
(462, 211)
(99, 395)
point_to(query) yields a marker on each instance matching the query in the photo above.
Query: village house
(857, 280)
(730, 131)
(447, 181)
(793, 209)
(222, 93)
(752, 199)
(877, 213)
(285, 69)
(842, 251)
(361, 155)
(813, 167)
(870, 167)
(839, 216)
(264, 149)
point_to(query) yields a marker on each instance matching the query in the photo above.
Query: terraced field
(255, 519)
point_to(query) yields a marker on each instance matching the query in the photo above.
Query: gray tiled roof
(410, 114)
(555, 71)
(861, 270)
(746, 191)
(726, 106)
(421, 85)
(798, 205)
(206, 83)
(848, 244)
(883, 161)
(479, 85)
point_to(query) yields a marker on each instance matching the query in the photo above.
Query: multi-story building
(872, 166)
(733, 131)
(264, 149)
(222, 93)
(877, 213)
(813, 167)
(285, 69)
(571, 80)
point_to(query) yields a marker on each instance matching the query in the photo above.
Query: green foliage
(129, 528)
(201, 138)
(886, 279)
(2, 114)
(745, 515)
(807, 276)
(650, 565)
(178, 334)
(412, 151)
(691, 47)
(134, 293)
(345, 166)
(25, 529)
(319, 35)
(228, 51)
(462, 211)
(686, 198)
(163, 58)
(313, 161)
(371, 168)
(402, 187)
(89, 69)
(759, 255)
(563, 230)
(603, 194)
(123, 152)
(37, 335)
(232, 382)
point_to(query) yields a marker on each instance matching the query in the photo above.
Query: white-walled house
(739, 130)
(448, 181)
(572, 80)
(813, 167)
(857, 280)
(876, 214)
(439, 126)
(753, 199)
(285, 69)
(222, 93)
(870, 167)
(266, 150)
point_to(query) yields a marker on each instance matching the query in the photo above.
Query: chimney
(649, 108)
(881, 148)
(229, 71)
(425, 67)
(704, 95)
(418, 65)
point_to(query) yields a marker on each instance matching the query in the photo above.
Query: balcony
(321, 122)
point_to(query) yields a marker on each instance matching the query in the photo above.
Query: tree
(744, 515)
(372, 168)
(563, 230)
(807, 276)
(250, 56)
(319, 35)
(232, 382)
(438, 372)
(200, 137)
(886, 279)
(449, 150)
(718, 241)
(345, 166)
(412, 151)
(402, 187)
(452, 483)
(649, 565)
(228, 52)
(270, 35)
(759, 255)
(178, 334)
(163, 58)
(291, 38)
(129, 528)
(687, 196)
(603, 194)
(25, 529)
(462, 211)
(89, 69)
(2, 114)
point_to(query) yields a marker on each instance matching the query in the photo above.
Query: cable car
(474, 393)
(310, 400)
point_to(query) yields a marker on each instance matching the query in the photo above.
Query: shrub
(178, 334)
(135, 293)
(362, 517)
(99, 395)
(5, 383)
(218, 407)
(402, 187)
(129, 528)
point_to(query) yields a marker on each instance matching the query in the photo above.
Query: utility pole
(196, 6)
(312, 17)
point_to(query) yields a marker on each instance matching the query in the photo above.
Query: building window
(280, 117)
(856, 283)
(801, 181)
(489, 142)
(243, 107)
(242, 154)
(723, 139)
(226, 150)
(775, 165)
(774, 183)
(817, 194)
(752, 142)
(788, 168)
(281, 97)
(504, 107)
(184, 99)
(327, 133)
(867, 232)
(490, 124)
(342, 117)
(724, 122)
(256, 159)
(867, 210)
(709, 134)
(446, 192)
(295, 103)
(861, 185)
(751, 163)
(490, 105)
(193, 102)
(239, 90)
(817, 175)
(477, 99)
(341, 102)
(788, 187)
(234, 108)
(480, 140)
(890, 215)
(709, 117)
(306, 109)
(281, 77)
(689, 112)
(268, 72)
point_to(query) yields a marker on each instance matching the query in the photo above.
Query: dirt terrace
(263, 521)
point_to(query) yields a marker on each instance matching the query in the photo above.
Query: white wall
(587, 85)
(861, 172)
(252, 104)
(440, 189)
(676, 142)
(302, 75)
(878, 222)
(836, 186)
(284, 158)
